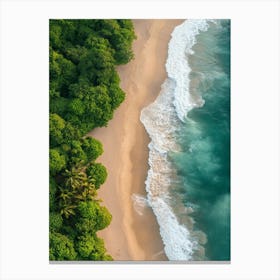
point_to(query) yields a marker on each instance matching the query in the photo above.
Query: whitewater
(162, 120)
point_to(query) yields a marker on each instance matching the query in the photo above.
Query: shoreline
(131, 236)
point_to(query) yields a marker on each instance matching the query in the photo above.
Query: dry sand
(131, 236)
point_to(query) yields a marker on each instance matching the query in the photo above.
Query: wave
(177, 67)
(162, 120)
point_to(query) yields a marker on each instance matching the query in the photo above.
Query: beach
(133, 235)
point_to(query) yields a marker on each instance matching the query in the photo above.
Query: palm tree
(86, 190)
(67, 210)
(65, 194)
(74, 178)
(78, 187)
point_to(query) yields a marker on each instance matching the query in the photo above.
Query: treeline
(84, 92)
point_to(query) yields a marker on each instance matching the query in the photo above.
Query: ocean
(188, 182)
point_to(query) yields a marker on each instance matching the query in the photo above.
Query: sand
(132, 236)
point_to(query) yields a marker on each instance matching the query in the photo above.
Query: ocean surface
(188, 183)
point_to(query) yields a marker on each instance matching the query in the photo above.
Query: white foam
(176, 238)
(139, 203)
(177, 67)
(161, 120)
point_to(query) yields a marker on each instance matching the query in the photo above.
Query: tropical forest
(84, 91)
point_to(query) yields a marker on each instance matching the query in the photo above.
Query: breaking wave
(162, 119)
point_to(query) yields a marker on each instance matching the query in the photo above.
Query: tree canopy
(84, 89)
(61, 247)
(98, 172)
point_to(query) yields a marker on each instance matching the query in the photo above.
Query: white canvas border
(255, 138)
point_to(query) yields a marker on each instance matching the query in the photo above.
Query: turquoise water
(188, 182)
(203, 164)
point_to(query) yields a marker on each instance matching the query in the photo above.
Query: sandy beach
(132, 236)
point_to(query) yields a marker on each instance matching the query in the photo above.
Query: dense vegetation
(84, 92)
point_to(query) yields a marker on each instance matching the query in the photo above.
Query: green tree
(120, 34)
(77, 107)
(70, 133)
(80, 89)
(91, 247)
(92, 148)
(104, 218)
(80, 186)
(66, 208)
(57, 161)
(98, 172)
(57, 124)
(62, 72)
(97, 64)
(61, 247)
(76, 153)
(86, 246)
(74, 178)
(59, 105)
(98, 216)
(75, 53)
(55, 35)
(117, 95)
(55, 221)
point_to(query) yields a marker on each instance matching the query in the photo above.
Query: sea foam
(177, 67)
(139, 203)
(162, 119)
